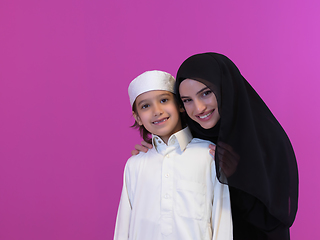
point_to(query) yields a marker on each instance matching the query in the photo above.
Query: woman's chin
(207, 126)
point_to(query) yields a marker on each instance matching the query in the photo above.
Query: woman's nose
(200, 106)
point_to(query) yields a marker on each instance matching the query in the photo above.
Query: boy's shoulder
(199, 148)
(142, 156)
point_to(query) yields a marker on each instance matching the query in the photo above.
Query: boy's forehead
(153, 94)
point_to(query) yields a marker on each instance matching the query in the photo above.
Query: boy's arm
(221, 218)
(124, 212)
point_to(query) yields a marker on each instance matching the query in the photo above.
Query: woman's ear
(137, 118)
(181, 109)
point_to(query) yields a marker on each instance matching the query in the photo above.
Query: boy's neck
(165, 139)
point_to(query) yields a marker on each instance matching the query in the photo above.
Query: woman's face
(200, 103)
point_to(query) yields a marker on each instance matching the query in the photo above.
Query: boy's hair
(144, 133)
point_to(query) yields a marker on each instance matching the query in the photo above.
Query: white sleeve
(221, 218)
(124, 212)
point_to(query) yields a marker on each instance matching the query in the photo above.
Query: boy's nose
(157, 110)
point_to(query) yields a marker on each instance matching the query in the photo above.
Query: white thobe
(171, 192)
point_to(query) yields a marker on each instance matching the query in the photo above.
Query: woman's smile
(200, 103)
(206, 115)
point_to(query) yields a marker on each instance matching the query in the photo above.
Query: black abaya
(253, 150)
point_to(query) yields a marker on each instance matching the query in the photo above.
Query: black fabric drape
(253, 150)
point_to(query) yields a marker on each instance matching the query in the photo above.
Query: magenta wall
(65, 115)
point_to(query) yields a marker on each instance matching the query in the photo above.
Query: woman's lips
(205, 116)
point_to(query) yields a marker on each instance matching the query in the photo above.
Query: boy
(170, 192)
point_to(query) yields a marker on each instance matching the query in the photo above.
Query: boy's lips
(205, 115)
(160, 120)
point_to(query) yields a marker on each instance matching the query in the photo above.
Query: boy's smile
(158, 112)
(160, 121)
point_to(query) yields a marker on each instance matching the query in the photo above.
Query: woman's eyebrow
(202, 90)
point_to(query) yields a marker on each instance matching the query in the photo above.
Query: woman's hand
(212, 149)
(228, 158)
(144, 147)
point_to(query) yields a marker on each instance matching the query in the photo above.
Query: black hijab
(252, 150)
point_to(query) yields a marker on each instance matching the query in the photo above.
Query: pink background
(64, 111)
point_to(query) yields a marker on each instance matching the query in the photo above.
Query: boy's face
(158, 113)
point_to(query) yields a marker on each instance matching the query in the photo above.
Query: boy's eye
(145, 106)
(164, 100)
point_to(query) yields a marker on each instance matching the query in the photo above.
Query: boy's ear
(181, 109)
(137, 118)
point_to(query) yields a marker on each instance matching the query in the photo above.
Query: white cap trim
(150, 81)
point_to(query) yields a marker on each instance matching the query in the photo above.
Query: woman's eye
(186, 100)
(206, 93)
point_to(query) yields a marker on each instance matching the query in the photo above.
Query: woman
(252, 149)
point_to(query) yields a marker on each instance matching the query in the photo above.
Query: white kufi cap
(149, 81)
